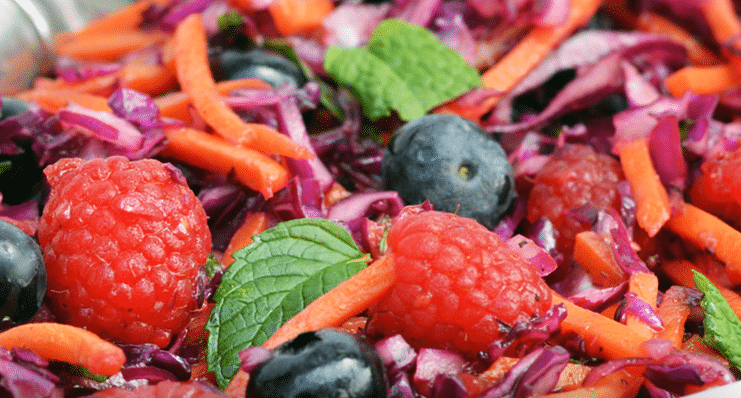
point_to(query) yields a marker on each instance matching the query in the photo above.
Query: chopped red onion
(432, 362)
(666, 152)
(401, 387)
(525, 336)
(365, 205)
(396, 354)
(537, 257)
(638, 90)
(610, 367)
(419, 12)
(252, 357)
(551, 12)
(351, 24)
(454, 33)
(641, 309)
(448, 386)
(102, 125)
(599, 299)
(535, 374)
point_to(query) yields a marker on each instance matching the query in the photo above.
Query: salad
(405, 198)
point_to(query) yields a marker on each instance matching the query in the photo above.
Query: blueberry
(18, 178)
(325, 363)
(261, 63)
(12, 107)
(22, 275)
(454, 164)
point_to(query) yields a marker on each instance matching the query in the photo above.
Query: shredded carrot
(721, 17)
(335, 193)
(110, 46)
(252, 225)
(603, 337)
(710, 233)
(53, 100)
(298, 16)
(651, 22)
(207, 151)
(620, 384)
(149, 79)
(673, 312)
(355, 324)
(646, 287)
(652, 201)
(680, 271)
(175, 104)
(701, 80)
(194, 76)
(594, 254)
(346, 300)
(127, 18)
(66, 343)
(99, 85)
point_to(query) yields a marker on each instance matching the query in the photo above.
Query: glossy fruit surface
(260, 63)
(717, 189)
(451, 162)
(325, 363)
(123, 242)
(456, 282)
(22, 275)
(21, 170)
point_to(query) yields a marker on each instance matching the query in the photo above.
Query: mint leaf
(722, 325)
(404, 68)
(281, 272)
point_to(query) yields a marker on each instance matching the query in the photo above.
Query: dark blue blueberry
(19, 172)
(22, 275)
(261, 63)
(454, 164)
(325, 363)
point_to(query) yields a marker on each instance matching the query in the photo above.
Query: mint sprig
(722, 325)
(405, 68)
(281, 272)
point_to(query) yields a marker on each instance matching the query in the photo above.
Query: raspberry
(123, 244)
(571, 178)
(456, 282)
(717, 189)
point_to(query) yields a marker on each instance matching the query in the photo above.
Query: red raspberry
(573, 177)
(455, 282)
(717, 189)
(123, 243)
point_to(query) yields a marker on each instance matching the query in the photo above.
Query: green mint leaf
(271, 280)
(722, 325)
(405, 68)
(230, 21)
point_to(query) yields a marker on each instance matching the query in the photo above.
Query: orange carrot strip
(620, 384)
(710, 233)
(54, 100)
(594, 254)
(194, 76)
(346, 300)
(99, 85)
(646, 287)
(673, 312)
(651, 22)
(652, 201)
(109, 46)
(335, 193)
(297, 16)
(523, 58)
(721, 17)
(701, 80)
(253, 224)
(66, 343)
(680, 271)
(148, 79)
(603, 337)
(175, 104)
(207, 151)
(127, 18)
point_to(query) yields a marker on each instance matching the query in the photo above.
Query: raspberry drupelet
(456, 283)
(123, 243)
